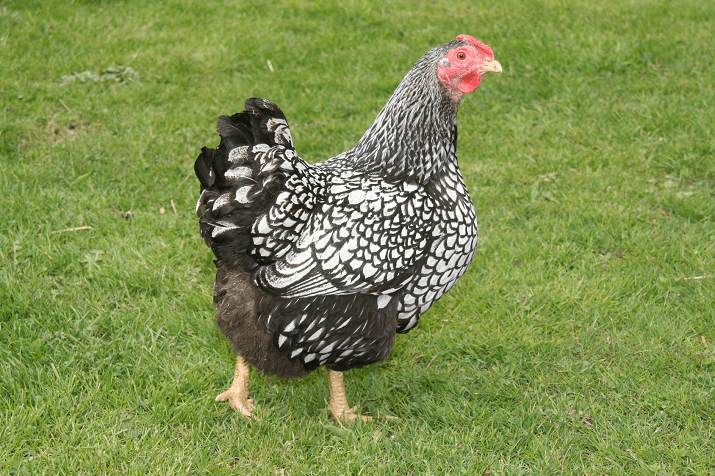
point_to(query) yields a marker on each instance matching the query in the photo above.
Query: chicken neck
(415, 132)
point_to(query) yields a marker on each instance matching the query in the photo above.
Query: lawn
(580, 341)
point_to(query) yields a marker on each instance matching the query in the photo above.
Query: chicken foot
(237, 395)
(338, 406)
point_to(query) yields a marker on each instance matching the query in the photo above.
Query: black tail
(235, 131)
(241, 177)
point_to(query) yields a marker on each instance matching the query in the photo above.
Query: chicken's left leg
(237, 395)
(338, 406)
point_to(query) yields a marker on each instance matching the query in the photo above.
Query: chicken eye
(461, 55)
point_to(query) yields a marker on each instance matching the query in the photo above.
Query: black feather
(235, 130)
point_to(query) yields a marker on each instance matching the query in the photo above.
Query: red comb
(480, 45)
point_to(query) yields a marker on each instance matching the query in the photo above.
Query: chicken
(321, 265)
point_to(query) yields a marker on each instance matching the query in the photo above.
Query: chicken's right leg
(237, 395)
(338, 406)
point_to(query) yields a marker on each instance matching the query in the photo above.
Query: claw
(347, 415)
(237, 401)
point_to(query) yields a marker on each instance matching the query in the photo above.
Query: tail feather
(270, 125)
(241, 178)
(236, 130)
(202, 167)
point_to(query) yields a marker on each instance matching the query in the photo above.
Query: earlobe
(443, 76)
(469, 82)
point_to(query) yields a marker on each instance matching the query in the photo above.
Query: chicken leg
(338, 406)
(237, 395)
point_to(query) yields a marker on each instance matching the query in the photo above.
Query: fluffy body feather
(321, 265)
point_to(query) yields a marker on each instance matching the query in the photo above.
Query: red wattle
(469, 82)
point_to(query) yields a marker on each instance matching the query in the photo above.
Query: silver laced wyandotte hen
(322, 264)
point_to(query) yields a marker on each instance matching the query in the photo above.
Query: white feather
(383, 300)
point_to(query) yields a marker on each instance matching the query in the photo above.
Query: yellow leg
(237, 395)
(338, 406)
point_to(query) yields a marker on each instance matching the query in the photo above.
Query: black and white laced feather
(339, 255)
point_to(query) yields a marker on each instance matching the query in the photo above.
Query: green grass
(581, 340)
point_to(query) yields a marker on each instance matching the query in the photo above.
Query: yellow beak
(491, 66)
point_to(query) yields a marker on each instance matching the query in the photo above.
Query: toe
(347, 415)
